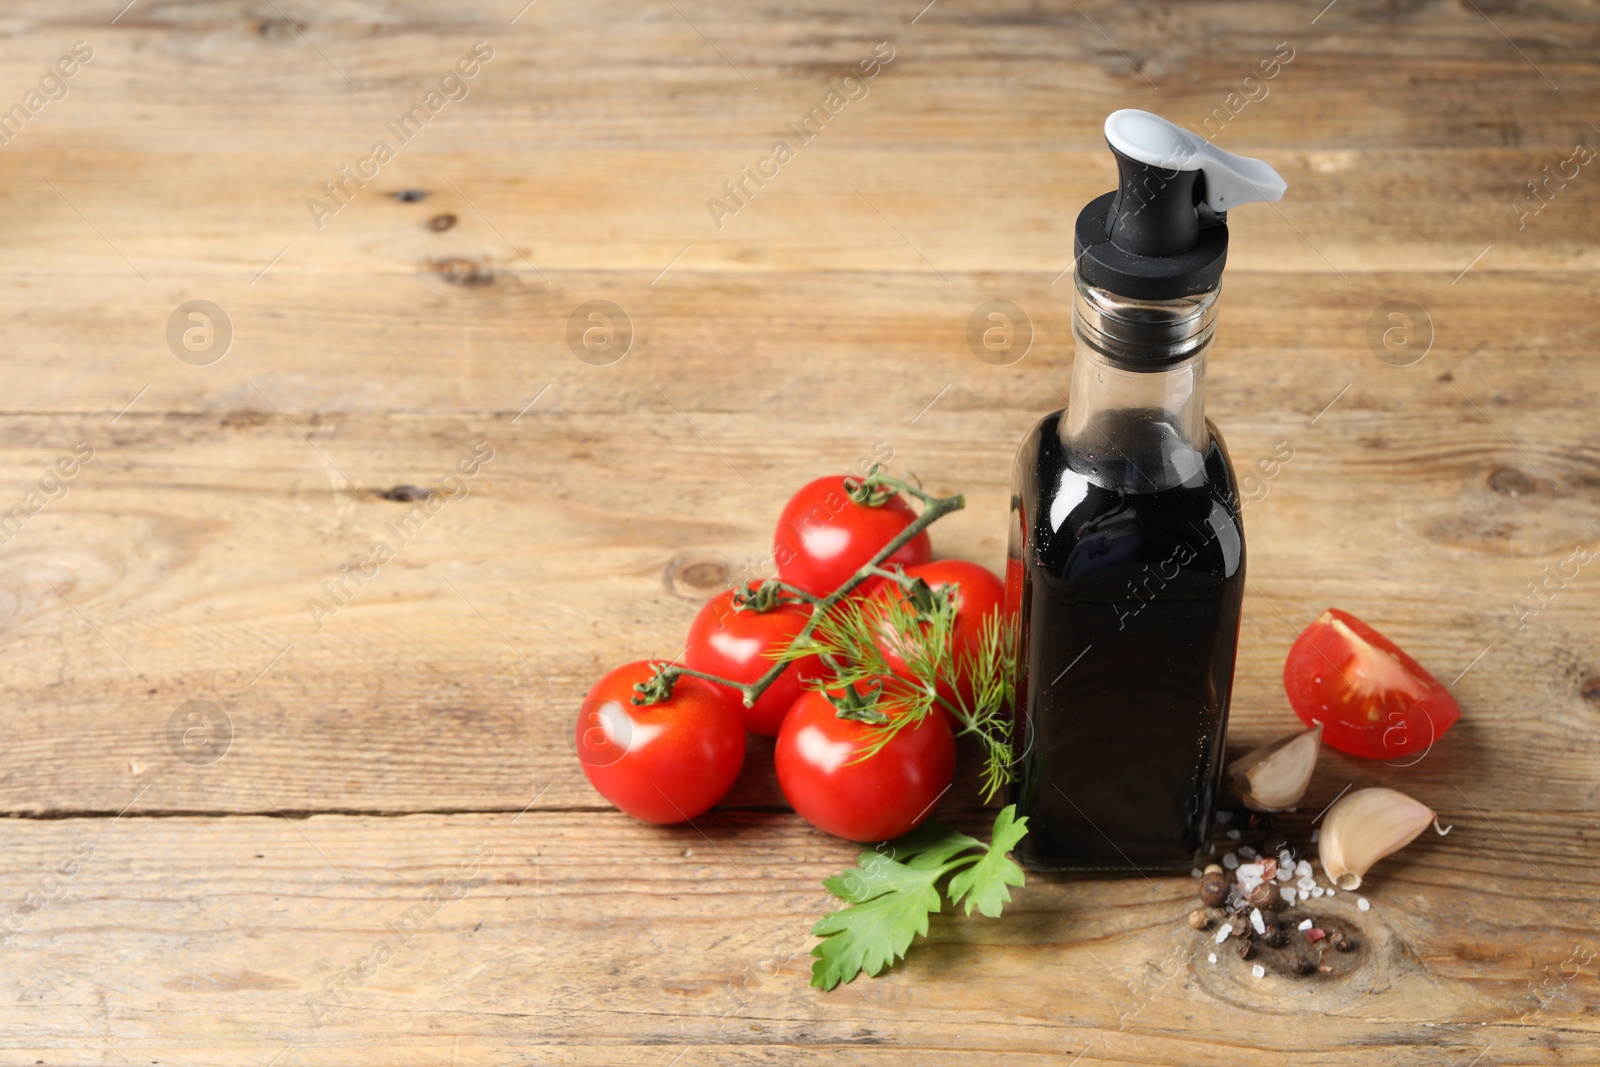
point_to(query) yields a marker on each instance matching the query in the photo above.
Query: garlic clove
(1274, 777)
(1363, 827)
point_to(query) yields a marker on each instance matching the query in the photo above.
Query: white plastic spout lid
(1230, 179)
(1162, 233)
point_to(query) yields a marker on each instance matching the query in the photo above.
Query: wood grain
(373, 749)
(586, 938)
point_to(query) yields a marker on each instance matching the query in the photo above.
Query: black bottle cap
(1163, 233)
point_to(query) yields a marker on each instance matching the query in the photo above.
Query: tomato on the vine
(979, 596)
(825, 779)
(1372, 699)
(664, 762)
(738, 646)
(824, 537)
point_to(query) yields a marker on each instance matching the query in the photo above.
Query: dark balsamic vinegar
(1130, 605)
(1127, 558)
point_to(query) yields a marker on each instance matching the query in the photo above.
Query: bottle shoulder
(1073, 526)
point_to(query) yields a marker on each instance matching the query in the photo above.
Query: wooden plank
(549, 216)
(183, 561)
(659, 77)
(794, 345)
(599, 151)
(587, 938)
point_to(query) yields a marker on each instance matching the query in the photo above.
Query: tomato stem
(762, 597)
(895, 575)
(934, 509)
(678, 672)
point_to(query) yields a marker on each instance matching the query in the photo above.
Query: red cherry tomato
(1372, 699)
(736, 645)
(872, 799)
(824, 537)
(664, 762)
(979, 595)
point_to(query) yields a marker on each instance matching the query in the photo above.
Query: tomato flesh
(665, 762)
(738, 645)
(1372, 699)
(824, 537)
(824, 778)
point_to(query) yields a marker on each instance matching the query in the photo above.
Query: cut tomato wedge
(1371, 698)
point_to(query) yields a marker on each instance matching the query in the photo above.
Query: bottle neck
(1135, 419)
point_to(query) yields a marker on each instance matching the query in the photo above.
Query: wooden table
(231, 778)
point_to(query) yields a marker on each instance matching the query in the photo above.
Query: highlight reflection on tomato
(664, 762)
(1372, 699)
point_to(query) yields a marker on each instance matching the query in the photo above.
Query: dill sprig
(916, 623)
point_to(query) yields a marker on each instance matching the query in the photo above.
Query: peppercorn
(1342, 941)
(1275, 937)
(1263, 896)
(1274, 844)
(1270, 918)
(1302, 965)
(1200, 919)
(1214, 889)
(1245, 947)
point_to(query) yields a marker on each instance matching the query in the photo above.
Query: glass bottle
(1127, 556)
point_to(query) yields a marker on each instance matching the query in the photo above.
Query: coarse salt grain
(1286, 858)
(1257, 921)
(1247, 852)
(1259, 971)
(1302, 869)
(1316, 833)
(1224, 818)
(1197, 873)
(1249, 870)
(1234, 835)
(1230, 861)
(1361, 903)
(1330, 890)
(1212, 957)
(1285, 874)
(1305, 884)
(1288, 895)
(1305, 925)
(1222, 934)
(1317, 892)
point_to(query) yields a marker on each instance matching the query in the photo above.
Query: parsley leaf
(892, 890)
(984, 883)
(870, 935)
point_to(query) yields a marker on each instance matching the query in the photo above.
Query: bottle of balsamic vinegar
(1127, 555)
